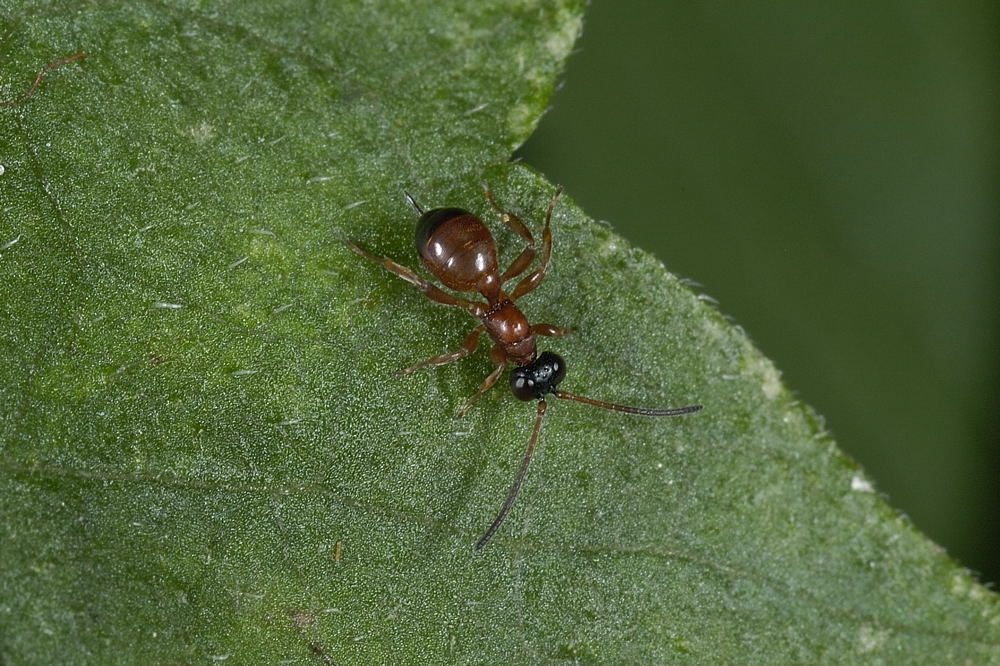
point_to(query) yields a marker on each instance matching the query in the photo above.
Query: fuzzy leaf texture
(206, 454)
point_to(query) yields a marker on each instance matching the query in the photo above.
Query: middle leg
(469, 346)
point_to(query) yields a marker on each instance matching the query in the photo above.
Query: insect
(459, 250)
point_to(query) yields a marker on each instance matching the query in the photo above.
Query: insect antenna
(518, 480)
(676, 411)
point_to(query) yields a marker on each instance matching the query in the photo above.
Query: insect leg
(551, 330)
(434, 293)
(523, 260)
(535, 277)
(500, 358)
(468, 347)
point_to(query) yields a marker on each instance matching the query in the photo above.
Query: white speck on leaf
(770, 378)
(859, 484)
(871, 639)
(201, 133)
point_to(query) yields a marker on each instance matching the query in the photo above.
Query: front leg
(498, 356)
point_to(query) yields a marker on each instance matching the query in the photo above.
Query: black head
(541, 376)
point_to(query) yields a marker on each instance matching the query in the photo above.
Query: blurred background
(830, 174)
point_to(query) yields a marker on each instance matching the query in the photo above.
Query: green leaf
(207, 454)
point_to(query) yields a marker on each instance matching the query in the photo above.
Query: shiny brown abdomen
(458, 248)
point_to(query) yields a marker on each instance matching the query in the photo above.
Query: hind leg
(477, 310)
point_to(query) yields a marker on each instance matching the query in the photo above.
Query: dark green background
(829, 174)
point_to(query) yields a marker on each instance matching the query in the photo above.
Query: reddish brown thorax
(507, 325)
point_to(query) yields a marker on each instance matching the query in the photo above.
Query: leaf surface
(206, 454)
